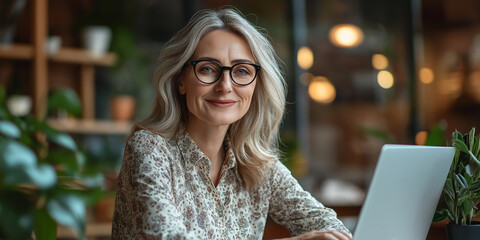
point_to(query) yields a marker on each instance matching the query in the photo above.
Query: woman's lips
(221, 103)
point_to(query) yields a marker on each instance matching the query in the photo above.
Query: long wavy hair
(254, 138)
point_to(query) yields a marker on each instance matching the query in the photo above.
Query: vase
(97, 39)
(19, 105)
(463, 232)
(123, 107)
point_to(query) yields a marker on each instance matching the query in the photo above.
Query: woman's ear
(181, 87)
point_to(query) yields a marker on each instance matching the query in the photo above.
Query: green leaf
(467, 176)
(93, 180)
(68, 210)
(461, 180)
(14, 155)
(471, 138)
(19, 165)
(44, 176)
(65, 158)
(16, 217)
(65, 99)
(440, 215)
(45, 227)
(467, 206)
(436, 137)
(460, 145)
(9, 129)
(62, 139)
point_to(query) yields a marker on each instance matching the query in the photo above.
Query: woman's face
(222, 102)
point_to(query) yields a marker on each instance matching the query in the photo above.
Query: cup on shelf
(53, 44)
(19, 105)
(96, 39)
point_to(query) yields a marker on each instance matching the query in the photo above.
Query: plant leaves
(459, 144)
(436, 137)
(45, 227)
(65, 158)
(68, 210)
(9, 129)
(461, 180)
(440, 215)
(62, 139)
(44, 176)
(16, 219)
(14, 155)
(65, 99)
(467, 206)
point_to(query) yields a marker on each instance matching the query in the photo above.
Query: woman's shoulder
(148, 138)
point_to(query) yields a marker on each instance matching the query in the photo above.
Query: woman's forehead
(223, 45)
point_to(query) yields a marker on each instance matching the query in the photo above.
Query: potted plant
(461, 193)
(43, 179)
(125, 74)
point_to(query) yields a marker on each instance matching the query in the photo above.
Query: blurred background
(360, 74)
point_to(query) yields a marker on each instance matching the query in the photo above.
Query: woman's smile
(221, 103)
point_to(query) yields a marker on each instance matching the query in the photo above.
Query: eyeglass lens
(209, 72)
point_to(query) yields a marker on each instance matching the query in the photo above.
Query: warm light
(385, 79)
(379, 61)
(421, 138)
(305, 58)
(451, 85)
(346, 35)
(321, 90)
(426, 75)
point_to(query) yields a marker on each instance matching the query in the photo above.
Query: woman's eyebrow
(233, 61)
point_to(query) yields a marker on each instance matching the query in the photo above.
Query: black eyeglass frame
(223, 68)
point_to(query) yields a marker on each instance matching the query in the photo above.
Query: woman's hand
(317, 235)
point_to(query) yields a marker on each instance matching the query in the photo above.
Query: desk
(437, 231)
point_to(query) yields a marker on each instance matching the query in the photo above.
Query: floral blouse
(164, 191)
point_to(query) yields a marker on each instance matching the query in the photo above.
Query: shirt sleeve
(295, 208)
(145, 206)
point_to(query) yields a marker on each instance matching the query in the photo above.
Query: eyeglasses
(209, 71)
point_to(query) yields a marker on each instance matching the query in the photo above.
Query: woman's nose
(224, 84)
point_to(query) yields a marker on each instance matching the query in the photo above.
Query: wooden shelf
(91, 126)
(16, 51)
(65, 55)
(82, 56)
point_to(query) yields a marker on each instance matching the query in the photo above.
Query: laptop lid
(404, 192)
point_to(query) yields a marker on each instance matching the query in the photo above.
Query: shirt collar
(191, 152)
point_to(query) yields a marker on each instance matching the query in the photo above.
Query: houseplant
(43, 179)
(461, 193)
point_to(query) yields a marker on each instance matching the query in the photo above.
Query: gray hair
(254, 138)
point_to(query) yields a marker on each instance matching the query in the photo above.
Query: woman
(204, 164)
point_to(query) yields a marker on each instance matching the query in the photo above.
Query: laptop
(404, 192)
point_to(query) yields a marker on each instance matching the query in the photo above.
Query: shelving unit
(37, 54)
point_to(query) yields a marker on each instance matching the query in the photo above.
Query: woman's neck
(210, 141)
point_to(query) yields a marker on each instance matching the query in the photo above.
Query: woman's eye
(207, 69)
(241, 71)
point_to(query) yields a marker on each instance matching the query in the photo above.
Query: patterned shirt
(164, 191)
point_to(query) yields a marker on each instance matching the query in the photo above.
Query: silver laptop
(404, 192)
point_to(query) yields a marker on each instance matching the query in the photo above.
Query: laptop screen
(404, 192)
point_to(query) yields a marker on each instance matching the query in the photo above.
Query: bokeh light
(385, 79)
(379, 61)
(421, 138)
(346, 35)
(321, 90)
(426, 75)
(305, 58)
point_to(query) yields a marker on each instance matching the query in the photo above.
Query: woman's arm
(145, 206)
(297, 210)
